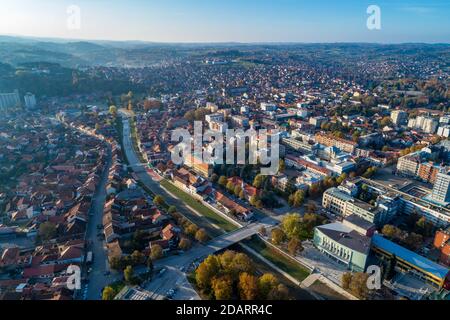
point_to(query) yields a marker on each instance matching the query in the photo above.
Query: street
(96, 278)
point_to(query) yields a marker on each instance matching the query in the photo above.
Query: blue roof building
(410, 261)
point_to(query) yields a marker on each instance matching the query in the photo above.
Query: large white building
(399, 117)
(441, 188)
(9, 100)
(30, 100)
(424, 123)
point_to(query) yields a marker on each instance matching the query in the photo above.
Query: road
(96, 278)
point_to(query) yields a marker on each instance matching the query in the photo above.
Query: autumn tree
(185, 244)
(113, 110)
(266, 283)
(277, 236)
(108, 293)
(205, 272)
(156, 252)
(137, 257)
(159, 200)
(128, 274)
(222, 288)
(248, 286)
(294, 246)
(280, 292)
(201, 235)
(223, 181)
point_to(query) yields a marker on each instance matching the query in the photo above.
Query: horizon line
(50, 38)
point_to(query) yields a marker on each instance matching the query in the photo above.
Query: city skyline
(247, 21)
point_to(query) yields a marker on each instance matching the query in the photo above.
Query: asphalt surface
(97, 278)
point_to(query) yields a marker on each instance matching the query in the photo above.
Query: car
(106, 273)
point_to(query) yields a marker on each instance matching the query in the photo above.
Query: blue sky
(230, 20)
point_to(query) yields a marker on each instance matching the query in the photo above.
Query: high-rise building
(441, 188)
(30, 100)
(399, 117)
(9, 100)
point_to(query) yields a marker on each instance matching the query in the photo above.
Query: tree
(266, 283)
(156, 252)
(205, 272)
(277, 236)
(241, 263)
(108, 293)
(201, 235)
(311, 207)
(113, 110)
(172, 209)
(237, 190)
(258, 181)
(280, 292)
(230, 187)
(137, 258)
(390, 231)
(191, 230)
(346, 280)
(223, 181)
(226, 261)
(184, 244)
(297, 199)
(281, 166)
(358, 285)
(222, 288)
(424, 227)
(291, 225)
(159, 200)
(47, 230)
(294, 246)
(248, 286)
(214, 178)
(413, 241)
(128, 274)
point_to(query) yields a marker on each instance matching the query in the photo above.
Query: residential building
(442, 243)
(329, 140)
(30, 100)
(399, 117)
(335, 200)
(9, 100)
(441, 188)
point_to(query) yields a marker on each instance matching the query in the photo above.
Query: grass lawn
(199, 207)
(284, 263)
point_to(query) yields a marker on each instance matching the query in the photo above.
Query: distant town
(92, 206)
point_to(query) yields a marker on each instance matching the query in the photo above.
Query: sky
(228, 20)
